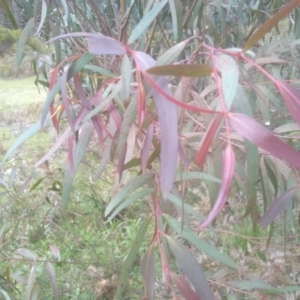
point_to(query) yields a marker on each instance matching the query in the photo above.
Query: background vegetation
(70, 232)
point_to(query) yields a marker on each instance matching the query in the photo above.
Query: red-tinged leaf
(99, 44)
(208, 139)
(53, 282)
(227, 176)
(64, 95)
(269, 24)
(184, 288)
(291, 97)
(167, 115)
(148, 272)
(55, 252)
(158, 89)
(191, 268)
(263, 138)
(141, 99)
(98, 125)
(147, 146)
(27, 253)
(277, 207)
(181, 70)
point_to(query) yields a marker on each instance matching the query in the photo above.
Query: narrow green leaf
(99, 70)
(170, 55)
(230, 78)
(126, 77)
(148, 272)
(248, 285)
(176, 13)
(283, 290)
(78, 155)
(43, 17)
(130, 187)
(122, 283)
(148, 18)
(187, 208)
(269, 24)
(191, 268)
(22, 42)
(181, 70)
(30, 282)
(52, 278)
(200, 244)
(9, 14)
(4, 293)
(196, 175)
(128, 201)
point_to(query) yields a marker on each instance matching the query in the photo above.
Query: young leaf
(30, 282)
(269, 24)
(181, 70)
(277, 206)
(130, 259)
(191, 268)
(207, 140)
(227, 176)
(263, 138)
(184, 288)
(148, 272)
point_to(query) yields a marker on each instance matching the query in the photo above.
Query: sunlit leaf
(148, 272)
(181, 70)
(263, 138)
(269, 24)
(191, 268)
(227, 176)
(277, 207)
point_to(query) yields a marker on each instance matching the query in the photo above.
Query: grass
(91, 251)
